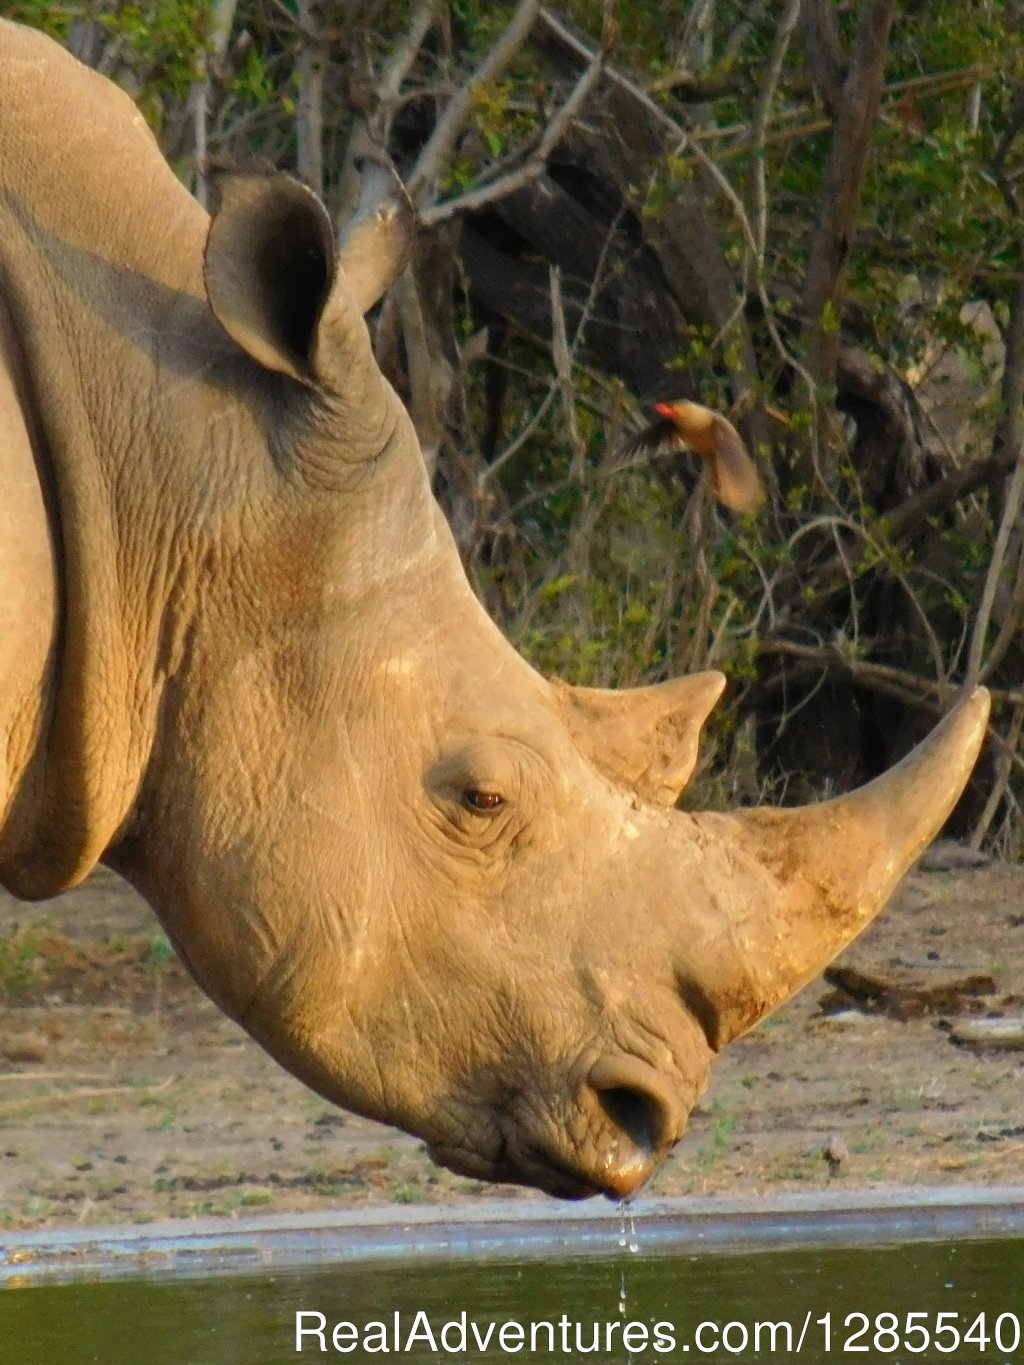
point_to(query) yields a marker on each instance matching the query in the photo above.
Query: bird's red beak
(665, 409)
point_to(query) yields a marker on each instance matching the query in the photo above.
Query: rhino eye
(475, 799)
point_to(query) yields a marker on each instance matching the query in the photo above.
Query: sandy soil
(125, 1096)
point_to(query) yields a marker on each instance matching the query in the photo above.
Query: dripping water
(627, 1242)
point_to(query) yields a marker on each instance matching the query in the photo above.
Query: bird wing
(659, 438)
(734, 475)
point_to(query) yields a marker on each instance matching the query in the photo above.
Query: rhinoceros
(241, 664)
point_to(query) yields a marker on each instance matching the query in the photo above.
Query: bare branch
(426, 406)
(838, 573)
(441, 141)
(908, 687)
(534, 166)
(1014, 123)
(222, 17)
(473, 200)
(1010, 438)
(1011, 508)
(399, 64)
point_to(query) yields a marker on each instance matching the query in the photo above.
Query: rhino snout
(627, 1118)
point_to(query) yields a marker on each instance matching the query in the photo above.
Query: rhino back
(78, 160)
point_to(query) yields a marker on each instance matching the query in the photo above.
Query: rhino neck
(99, 267)
(107, 473)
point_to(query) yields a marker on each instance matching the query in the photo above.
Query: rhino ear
(645, 737)
(276, 282)
(269, 266)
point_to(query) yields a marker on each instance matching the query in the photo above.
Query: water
(250, 1319)
(628, 1242)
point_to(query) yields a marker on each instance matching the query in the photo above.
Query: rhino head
(442, 890)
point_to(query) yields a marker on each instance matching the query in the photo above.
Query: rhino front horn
(809, 879)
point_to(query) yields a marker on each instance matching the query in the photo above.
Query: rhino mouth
(513, 1163)
(548, 1172)
(547, 1162)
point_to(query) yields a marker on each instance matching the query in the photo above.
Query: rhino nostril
(635, 1113)
(636, 1100)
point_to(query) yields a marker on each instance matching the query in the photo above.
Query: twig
(1011, 437)
(563, 369)
(797, 121)
(688, 657)
(473, 200)
(1011, 507)
(766, 96)
(524, 435)
(910, 687)
(895, 526)
(85, 1092)
(293, 21)
(1011, 622)
(50, 1076)
(517, 443)
(1002, 780)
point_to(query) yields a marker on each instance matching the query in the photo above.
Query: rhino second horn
(644, 737)
(827, 870)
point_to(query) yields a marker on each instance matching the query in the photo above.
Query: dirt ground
(125, 1096)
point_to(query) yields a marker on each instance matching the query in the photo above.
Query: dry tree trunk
(309, 105)
(222, 16)
(855, 102)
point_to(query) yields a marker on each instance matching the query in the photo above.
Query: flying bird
(684, 426)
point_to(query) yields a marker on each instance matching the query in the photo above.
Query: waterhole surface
(680, 1298)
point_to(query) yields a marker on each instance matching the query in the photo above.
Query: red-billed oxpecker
(682, 426)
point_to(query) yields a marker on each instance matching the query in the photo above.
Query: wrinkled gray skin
(240, 663)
